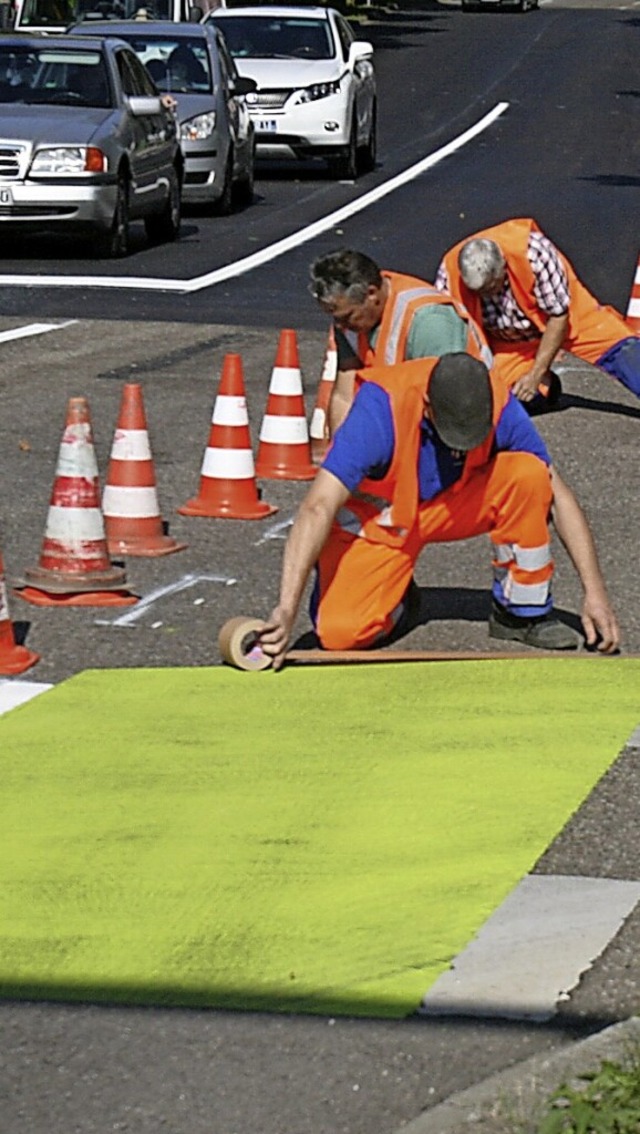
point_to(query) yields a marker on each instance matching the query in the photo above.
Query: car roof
(165, 29)
(51, 41)
(269, 10)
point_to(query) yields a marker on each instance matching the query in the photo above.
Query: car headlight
(318, 90)
(69, 159)
(202, 126)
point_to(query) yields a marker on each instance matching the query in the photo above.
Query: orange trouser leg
(513, 360)
(361, 583)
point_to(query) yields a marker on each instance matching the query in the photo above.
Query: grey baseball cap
(460, 400)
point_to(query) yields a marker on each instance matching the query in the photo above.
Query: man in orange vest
(531, 304)
(434, 450)
(383, 317)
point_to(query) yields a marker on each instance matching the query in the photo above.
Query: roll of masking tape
(239, 644)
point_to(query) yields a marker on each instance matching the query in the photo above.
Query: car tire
(165, 226)
(114, 244)
(244, 187)
(224, 204)
(367, 155)
(344, 165)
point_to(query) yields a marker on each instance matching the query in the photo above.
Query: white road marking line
(265, 255)
(276, 531)
(34, 329)
(532, 951)
(13, 693)
(135, 612)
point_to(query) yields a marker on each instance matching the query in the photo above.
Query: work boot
(545, 633)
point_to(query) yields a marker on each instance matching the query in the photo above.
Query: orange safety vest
(406, 295)
(593, 327)
(388, 508)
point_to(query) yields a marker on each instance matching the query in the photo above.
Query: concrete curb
(513, 1094)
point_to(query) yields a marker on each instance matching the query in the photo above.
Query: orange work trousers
(361, 583)
(511, 360)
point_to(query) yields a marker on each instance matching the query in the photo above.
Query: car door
(362, 79)
(240, 124)
(149, 147)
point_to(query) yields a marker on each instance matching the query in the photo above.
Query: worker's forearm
(572, 527)
(551, 342)
(306, 540)
(341, 399)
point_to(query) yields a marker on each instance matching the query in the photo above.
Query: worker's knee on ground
(340, 630)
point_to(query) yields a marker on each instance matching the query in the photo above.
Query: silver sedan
(86, 142)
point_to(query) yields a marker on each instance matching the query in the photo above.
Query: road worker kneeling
(435, 450)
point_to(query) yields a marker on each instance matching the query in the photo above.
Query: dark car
(85, 141)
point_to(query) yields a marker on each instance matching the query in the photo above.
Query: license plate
(6, 197)
(267, 125)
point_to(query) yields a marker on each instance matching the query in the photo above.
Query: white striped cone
(74, 560)
(284, 451)
(130, 500)
(633, 311)
(318, 429)
(227, 480)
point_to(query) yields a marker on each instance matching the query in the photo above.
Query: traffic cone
(13, 658)
(74, 567)
(285, 451)
(319, 428)
(633, 310)
(130, 500)
(227, 482)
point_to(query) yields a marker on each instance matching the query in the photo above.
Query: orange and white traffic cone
(319, 428)
(130, 499)
(633, 310)
(285, 451)
(74, 567)
(13, 658)
(227, 481)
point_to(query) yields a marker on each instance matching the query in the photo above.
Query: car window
(178, 65)
(282, 37)
(228, 68)
(52, 75)
(129, 77)
(345, 35)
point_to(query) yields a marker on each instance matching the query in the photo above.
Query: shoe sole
(512, 634)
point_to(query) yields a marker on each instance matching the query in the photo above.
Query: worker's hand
(169, 102)
(526, 388)
(600, 623)
(275, 635)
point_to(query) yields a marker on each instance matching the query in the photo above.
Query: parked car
(85, 141)
(192, 62)
(316, 93)
(55, 16)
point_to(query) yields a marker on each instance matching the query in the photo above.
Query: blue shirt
(363, 445)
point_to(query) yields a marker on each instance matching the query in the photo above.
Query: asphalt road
(565, 151)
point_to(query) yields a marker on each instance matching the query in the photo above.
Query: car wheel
(244, 187)
(367, 155)
(344, 166)
(224, 204)
(114, 244)
(165, 226)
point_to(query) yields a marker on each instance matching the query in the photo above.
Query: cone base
(73, 582)
(16, 660)
(165, 545)
(79, 598)
(279, 472)
(200, 507)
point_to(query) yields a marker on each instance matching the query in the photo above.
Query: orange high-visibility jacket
(593, 327)
(406, 295)
(406, 383)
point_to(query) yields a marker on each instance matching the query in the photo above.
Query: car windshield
(177, 65)
(62, 13)
(54, 76)
(282, 37)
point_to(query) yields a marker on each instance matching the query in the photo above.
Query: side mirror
(243, 85)
(360, 49)
(141, 105)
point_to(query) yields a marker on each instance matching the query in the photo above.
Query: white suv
(316, 93)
